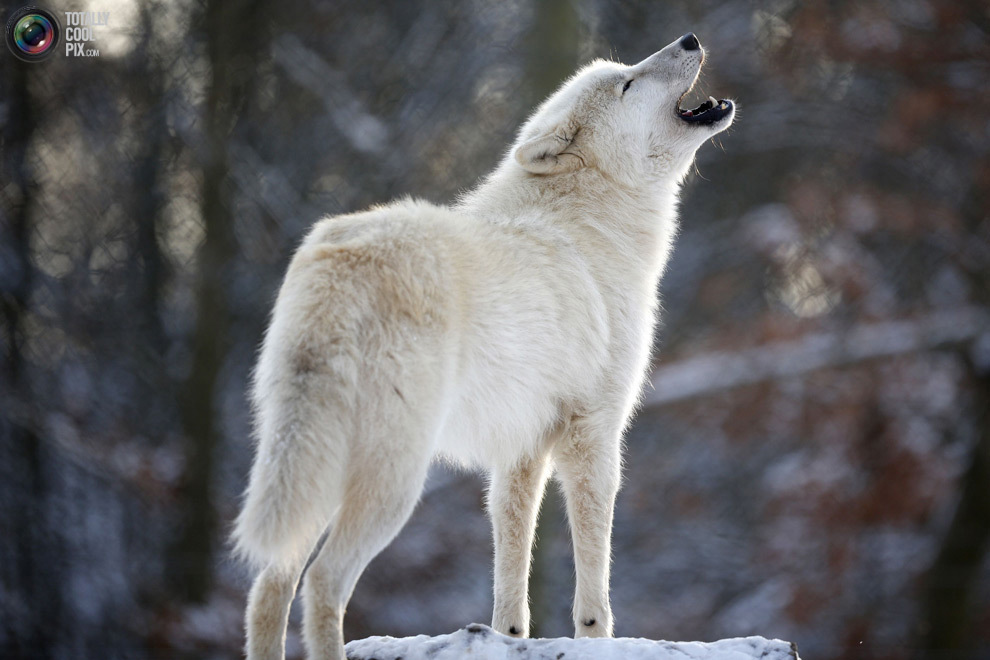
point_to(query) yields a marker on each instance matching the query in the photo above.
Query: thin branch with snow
(722, 370)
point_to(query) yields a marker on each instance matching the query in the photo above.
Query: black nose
(690, 42)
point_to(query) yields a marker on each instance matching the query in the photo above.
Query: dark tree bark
(947, 606)
(948, 599)
(235, 38)
(148, 265)
(147, 268)
(30, 613)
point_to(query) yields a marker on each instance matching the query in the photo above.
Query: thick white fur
(510, 332)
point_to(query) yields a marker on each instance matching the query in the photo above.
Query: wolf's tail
(303, 426)
(294, 487)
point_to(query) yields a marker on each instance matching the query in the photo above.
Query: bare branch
(722, 370)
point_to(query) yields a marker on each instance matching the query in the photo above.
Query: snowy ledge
(480, 642)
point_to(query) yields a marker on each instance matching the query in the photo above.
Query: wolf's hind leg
(268, 611)
(381, 493)
(588, 467)
(514, 498)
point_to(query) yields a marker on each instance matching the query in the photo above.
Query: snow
(480, 642)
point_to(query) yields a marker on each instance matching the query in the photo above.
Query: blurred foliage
(152, 196)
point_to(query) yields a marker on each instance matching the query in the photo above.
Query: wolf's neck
(604, 219)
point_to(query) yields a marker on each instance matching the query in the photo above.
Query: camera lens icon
(32, 34)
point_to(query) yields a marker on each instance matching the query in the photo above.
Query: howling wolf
(509, 332)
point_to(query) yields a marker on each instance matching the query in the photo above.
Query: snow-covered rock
(480, 642)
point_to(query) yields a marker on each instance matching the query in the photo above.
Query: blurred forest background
(811, 463)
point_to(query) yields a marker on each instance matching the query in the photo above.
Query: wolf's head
(626, 121)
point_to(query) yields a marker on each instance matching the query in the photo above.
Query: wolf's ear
(550, 153)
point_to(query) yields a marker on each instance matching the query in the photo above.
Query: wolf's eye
(626, 86)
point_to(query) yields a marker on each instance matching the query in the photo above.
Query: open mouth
(708, 112)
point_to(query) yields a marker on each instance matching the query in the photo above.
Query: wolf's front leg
(588, 467)
(513, 502)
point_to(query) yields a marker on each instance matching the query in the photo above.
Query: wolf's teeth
(714, 102)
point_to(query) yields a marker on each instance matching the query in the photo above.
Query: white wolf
(509, 332)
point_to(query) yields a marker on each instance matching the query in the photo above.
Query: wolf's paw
(593, 626)
(511, 622)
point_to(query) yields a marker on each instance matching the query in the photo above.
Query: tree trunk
(234, 33)
(29, 570)
(948, 598)
(947, 614)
